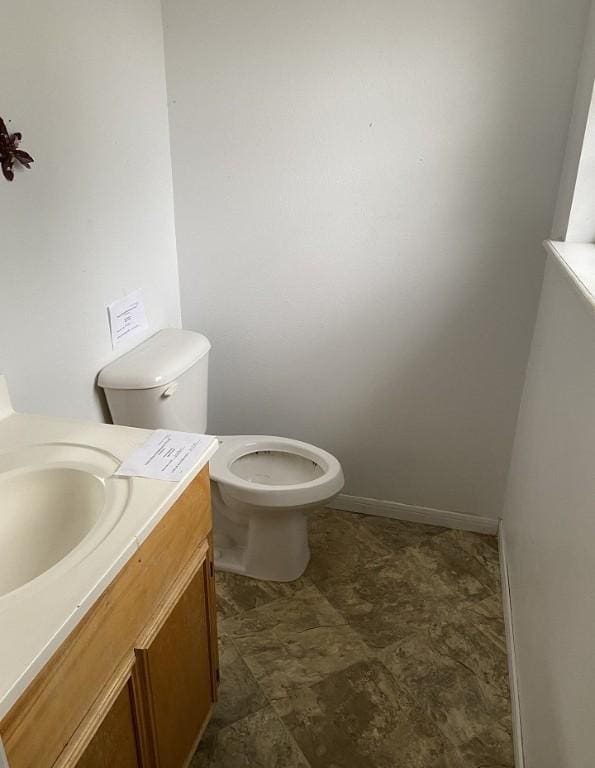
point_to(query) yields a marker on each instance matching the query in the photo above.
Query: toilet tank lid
(157, 361)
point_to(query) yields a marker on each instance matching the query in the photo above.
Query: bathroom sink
(57, 503)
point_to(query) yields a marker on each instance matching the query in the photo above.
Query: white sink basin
(45, 514)
(54, 511)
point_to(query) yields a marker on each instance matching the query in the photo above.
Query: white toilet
(261, 486)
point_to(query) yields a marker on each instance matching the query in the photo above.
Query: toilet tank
(162, 383)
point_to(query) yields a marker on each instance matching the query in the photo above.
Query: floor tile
(459, 678)
(397, 534)
(484, 550)
(358, 717)
(239, 693)
(466, 636)
(340, 545)
(390, 600)
(294, 642)
(257, 741)
(305, 609)
(488, 616)
(236, 593)
(483, 751)
(460, 571)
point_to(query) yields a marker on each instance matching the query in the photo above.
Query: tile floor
(388, 653)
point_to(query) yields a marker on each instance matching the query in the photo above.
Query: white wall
(574, 217)
(549, 526)
(85, 84)
(581, 224)
(361, 189)
(571, 212)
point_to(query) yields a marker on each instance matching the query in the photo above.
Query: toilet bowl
(261, 488)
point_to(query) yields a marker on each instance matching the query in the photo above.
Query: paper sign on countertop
(166, 455)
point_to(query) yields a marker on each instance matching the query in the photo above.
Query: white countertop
(35, 620)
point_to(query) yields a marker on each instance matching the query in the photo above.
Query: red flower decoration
(10, 152)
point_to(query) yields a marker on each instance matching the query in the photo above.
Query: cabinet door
(114, 742)
(175, 672)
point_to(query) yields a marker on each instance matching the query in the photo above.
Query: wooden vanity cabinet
(175, 676)
(135, 683)
(114, 744)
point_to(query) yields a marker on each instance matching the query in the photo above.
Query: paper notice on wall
(166, 455)
(127, 318)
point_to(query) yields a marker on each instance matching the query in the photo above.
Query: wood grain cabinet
(135, 683)
(175, 674)
(114, 743)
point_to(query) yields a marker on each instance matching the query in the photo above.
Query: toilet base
(263, 543)
(232, 560)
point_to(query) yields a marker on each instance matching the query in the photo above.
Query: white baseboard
(413, 514)
(517, 733)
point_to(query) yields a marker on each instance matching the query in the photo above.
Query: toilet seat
(287, 483)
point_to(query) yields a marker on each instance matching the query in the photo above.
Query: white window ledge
(578, 261)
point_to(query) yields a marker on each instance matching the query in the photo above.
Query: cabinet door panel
(114, 743)
(175, 672)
